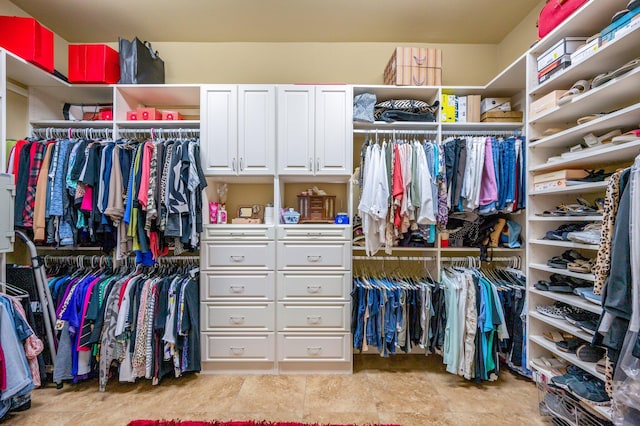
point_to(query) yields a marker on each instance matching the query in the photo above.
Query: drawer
(238, 232)
(237, 285)
(297, 317)
(241, 255)
(236, 347)
(297, 347)
(314, 232)
(256, 316)
(318, 285)
(294, 255)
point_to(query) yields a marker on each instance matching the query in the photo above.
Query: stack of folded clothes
(406, 110)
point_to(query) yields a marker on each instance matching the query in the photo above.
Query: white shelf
(159, 124)
(482, 126)
(506, 84)
(584, 188)
(612, 154)
(569, 299)
(565, 218)
(567, 244)
(541, 267)
(399, 249)
(466, 249)
(606, 59)
(384, 92)
(395, 125)
(63, 124)
(28, 74)
(615, 94)
(164, 95)
(589, 367)
(561, 324)
(625, 118)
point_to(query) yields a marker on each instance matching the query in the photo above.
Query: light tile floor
(406, 389)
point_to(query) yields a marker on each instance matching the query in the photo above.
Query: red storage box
(93, 63)
(28, 39)
(105, 114)
(132, 115)
(149, 114)
(171, 115)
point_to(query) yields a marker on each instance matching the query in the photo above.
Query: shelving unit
(619, 99)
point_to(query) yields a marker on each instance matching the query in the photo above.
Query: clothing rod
(160, 131)
(392, 258)
(480, 133)
(395, 131)
(466, 258)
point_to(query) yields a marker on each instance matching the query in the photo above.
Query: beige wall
(17, 114)
(519, 39)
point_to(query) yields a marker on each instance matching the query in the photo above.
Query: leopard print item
(603, 260)
(608, 375)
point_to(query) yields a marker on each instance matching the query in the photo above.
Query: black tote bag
(139, 64)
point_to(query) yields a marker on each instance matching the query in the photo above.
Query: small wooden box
(317, 208)
(410, 76)
(501, 117)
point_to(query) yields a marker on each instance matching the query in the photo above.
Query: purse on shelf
(139, 63)
(554, 13)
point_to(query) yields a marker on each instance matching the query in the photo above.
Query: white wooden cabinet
(314, 130)
(238, 132)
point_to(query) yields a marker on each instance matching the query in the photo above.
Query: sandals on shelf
(581, 266)
(603, 78)
(570, 345)
(591, 117)
(556, 336)
(578, 88)
(629, 136)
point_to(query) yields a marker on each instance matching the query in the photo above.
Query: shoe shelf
(569, 299)
(625, 117)
(608, 58)
(534, 218)
(563, 325)
(583, 188)
(617, 93)
(611, 154)
(589, 367)
(567, 244)
(466, 249)
(540, 267)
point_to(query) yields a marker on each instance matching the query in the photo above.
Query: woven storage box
(414, 66)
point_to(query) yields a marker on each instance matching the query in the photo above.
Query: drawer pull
(314, 259)
(237, 234)
(237, 289)
(314, 288)
(314, 319)
(237, 350)
(314, 350)
(237, 258)
(236, 320)
(313, 234)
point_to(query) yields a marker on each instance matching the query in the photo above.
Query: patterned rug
(231, 423)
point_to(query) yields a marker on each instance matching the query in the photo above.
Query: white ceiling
(417, 21)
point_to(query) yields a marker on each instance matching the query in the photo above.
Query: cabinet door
(256, 131)
(295, 129)
(7, 195)
(334, 130)
(219, 142)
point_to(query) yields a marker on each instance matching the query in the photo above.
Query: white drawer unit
(257, 255)
(313, 233)
(238, 232)
(299, 317)
(297, 255)
(256, 317)
(299, 347)
(237, 285)
(238, 347)
(313, 285)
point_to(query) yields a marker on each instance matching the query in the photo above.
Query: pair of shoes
(566, 258)
(562, 232)
(560, 407)
(569, 345)
(558, 310)
(588, 353)
(574, 374)
(591, 391)
(588, 294)
(590, 326)
(606, 77)
(590, 234)
(575, 315)
(581, 266)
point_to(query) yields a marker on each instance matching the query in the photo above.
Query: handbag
(554, 13)
(139, 63)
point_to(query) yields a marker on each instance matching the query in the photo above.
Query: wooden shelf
(569, 299)
(541, 267)
(589, 367)
(584, 188)
(612, 154)
(567, 244)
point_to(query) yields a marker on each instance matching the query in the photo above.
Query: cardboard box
(567, 45)
(149, 114)
(491, 103)
(560, 175)
(411, 76)
(545, 104)
(585, 51)
(473, 108)
(461, 109)
(132, 115)
(620, 27)
(171, 115)
(417, 57)
(497, 116)
(28, 39)
(94, 64)
(448, 108)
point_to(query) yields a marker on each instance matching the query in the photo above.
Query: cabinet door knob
(314, 288)
(317, 164)
(314, 258)
(314, 319)
(314, 350)
(236, 320)
(310, 164)
(233, 163)
(237, 289)
(237, 258)
(241, 164)
(237, 350)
